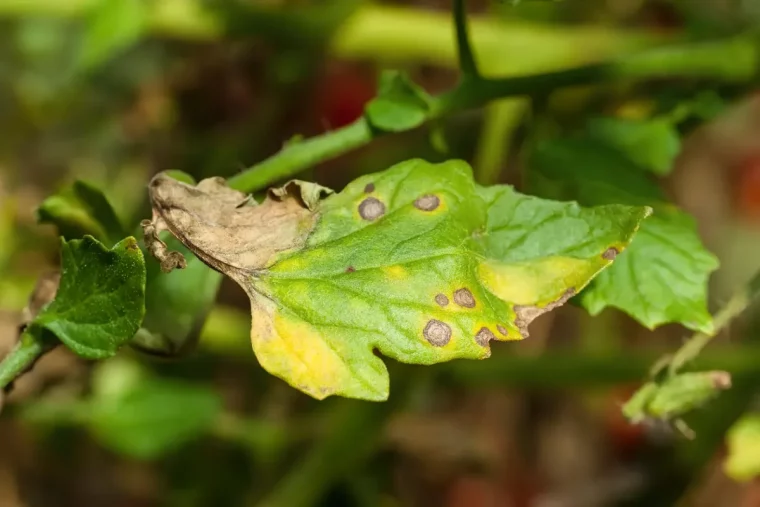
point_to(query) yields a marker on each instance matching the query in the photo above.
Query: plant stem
(28, 349)
(733, 59)
(467, 64)
(735, 306)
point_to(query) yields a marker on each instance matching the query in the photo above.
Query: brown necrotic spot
(610, 253)
(441, 299)
(427, 202)
(437, 333)
(371, 209)
(350, 269)
(483, 336)
(369, 188)
(502, 330)
(463, 297)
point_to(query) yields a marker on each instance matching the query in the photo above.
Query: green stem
(24, 354)
(467, 64)
(733, 59)
(735, 306)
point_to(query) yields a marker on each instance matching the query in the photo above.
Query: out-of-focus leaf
(417, 262)
(652, 143)
(100, 300)
(743, 461)
(662, 277)
(81, 210)
(400, 104)
(112, 25)
(154, 418)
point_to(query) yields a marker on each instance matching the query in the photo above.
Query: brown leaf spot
(369, 188)
(371, 209)
(441, 299)
(350, 269)
(610, 253)
(427, 202)
(463, 297)
(437, 333)
(525, 314)
(502, 330)
(483, 336)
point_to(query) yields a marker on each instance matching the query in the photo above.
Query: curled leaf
(417, 263)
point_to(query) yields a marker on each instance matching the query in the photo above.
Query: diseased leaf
(743, 461)
(81, 210)
(417, 263)
(400, 104)
(100, 300)
(663, 276)
(176, 303)
(652, 143)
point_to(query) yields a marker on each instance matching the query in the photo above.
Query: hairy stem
(735, 306)
(28, 349)
(467, 64)
(733, 59)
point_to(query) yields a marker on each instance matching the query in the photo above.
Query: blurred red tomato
(343, 93)
(748, 187)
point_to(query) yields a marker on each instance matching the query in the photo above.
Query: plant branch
(467, 64)
(735, 306)
(733, 59)
(28, 349)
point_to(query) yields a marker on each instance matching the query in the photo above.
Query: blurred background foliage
(113, 91)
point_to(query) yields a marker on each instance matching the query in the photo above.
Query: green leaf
(652, 144)
(81, 210)
(111, 26)
(400, 104)
(743, 461)
(155, 417)
(100, 300)
(176, 304)
(663, 276)
(417, 263)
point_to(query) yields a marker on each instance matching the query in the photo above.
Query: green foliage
(100, 300)
(743, 439)
(80, 210)
(134, 413)
(663, 276)
(111, 26)
(651, 143)
(416, 262)
(400, 104)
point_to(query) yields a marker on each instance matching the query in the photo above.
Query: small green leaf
(663, 276)
(418, 263)
(110, 27)
(81, 210)
(652, 144)
(100, 300)
(400, 104)
(675, 396)
(176, 304)
(155, 417)
(743, 461)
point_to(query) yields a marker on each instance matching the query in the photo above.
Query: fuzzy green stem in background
(467, 64)
(735, 306)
